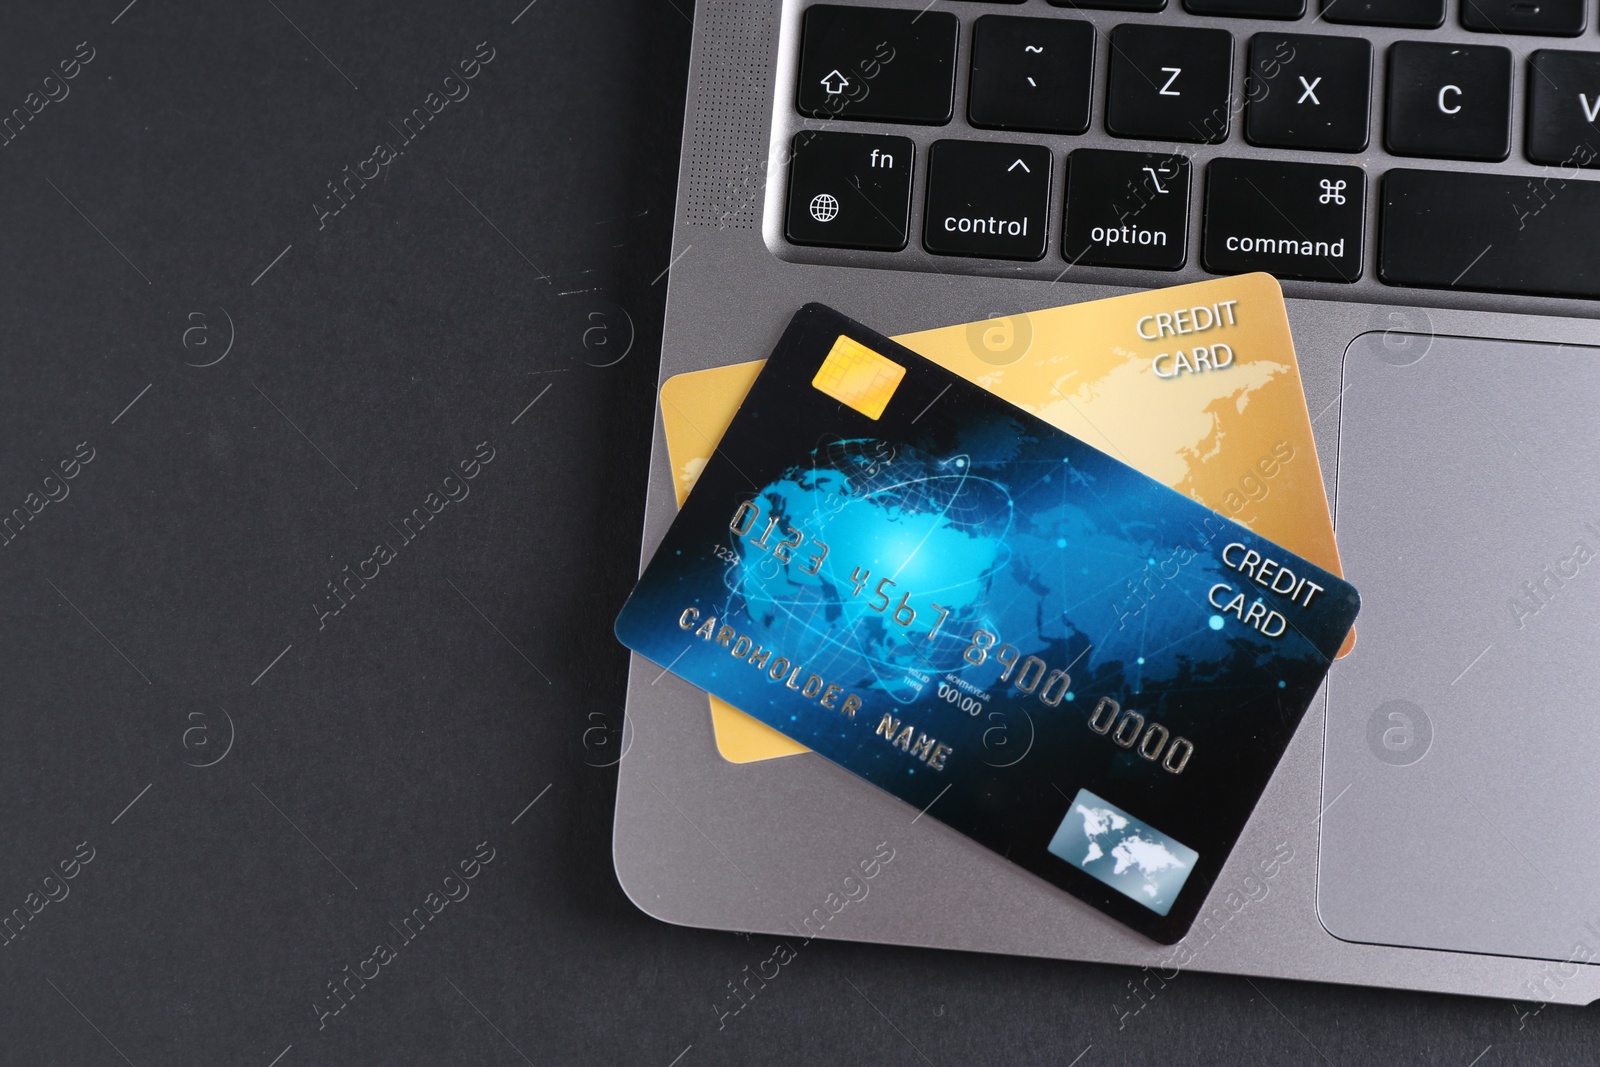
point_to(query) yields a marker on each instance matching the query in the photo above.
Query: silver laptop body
(1435, 824)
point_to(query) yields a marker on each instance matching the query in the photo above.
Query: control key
(987, 199)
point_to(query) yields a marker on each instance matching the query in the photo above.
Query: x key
(1308, 92)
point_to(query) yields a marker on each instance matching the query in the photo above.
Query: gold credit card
(1196, 386)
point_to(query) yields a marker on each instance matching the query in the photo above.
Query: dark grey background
(163, 613)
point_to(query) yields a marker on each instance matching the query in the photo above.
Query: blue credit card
(1050, 652)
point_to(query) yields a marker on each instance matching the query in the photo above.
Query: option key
(1127, 209)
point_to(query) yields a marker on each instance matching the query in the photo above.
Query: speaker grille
(727, 152)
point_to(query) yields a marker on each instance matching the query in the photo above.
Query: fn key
(850, 190)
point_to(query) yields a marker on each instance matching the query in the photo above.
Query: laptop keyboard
(1055, 187)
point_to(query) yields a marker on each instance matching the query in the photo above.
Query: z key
(1170, 83)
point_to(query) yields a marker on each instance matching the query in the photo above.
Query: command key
(1294, 220)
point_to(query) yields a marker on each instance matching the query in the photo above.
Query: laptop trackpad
(1462, 762)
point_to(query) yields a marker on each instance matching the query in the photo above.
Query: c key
(1449, 101)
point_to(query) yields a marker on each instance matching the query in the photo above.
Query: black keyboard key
(1169, 83)
(1564, 108)
(878, 64)
(987, 199)
(1416, 14)
(850, 190)
(1127, 209)
(1248, 9)
(1503, 234)
(1308, 92)
(1449, 101)
(1112, 5)
(1294, 220)
(1548, 18)
(1031, 74)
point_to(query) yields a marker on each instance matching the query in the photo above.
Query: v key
(1560, 133)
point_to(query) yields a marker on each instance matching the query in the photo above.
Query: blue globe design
(911, 535)
(905, 532)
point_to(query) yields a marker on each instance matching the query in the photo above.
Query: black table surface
(322, 453)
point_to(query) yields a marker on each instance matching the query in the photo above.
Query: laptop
(1421, 176)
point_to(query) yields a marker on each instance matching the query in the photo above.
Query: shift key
(1294, 220)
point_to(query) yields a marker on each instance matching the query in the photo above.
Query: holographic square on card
(1123, 851)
